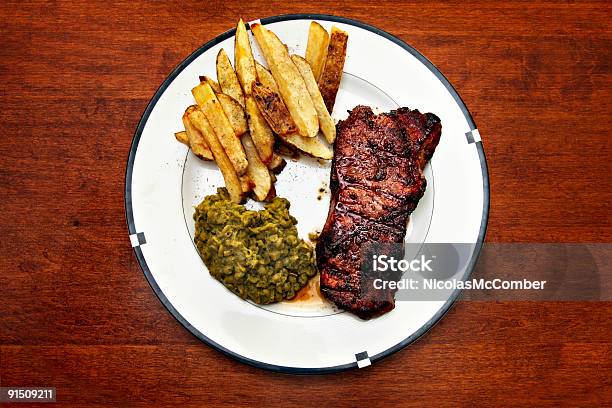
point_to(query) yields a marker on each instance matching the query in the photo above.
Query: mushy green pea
(255, 254)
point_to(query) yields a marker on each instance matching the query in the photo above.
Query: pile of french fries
(240, 120)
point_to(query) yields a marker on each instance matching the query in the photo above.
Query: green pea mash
(255, 254)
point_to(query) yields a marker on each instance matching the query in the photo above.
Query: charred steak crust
(376, 182)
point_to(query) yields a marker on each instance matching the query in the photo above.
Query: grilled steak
(376, 182)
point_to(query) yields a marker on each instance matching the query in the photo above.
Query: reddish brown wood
(76, 311)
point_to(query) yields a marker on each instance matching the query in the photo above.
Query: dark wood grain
(77, 313)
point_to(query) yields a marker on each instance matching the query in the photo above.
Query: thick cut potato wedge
(265, 77)
(243, 59)
(182, 137)
(309, 145)
(316, 50)
(257, 170)
(273, 109)
(291, 86)
(213, 84)
(247, 183)
(328, 127)
(329, 81)
(212, 109)
(232, 181)
(234, 113)
(197, 142)
(205, 154)
(260, 131)
(227, 78)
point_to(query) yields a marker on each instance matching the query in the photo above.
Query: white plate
(164, 181)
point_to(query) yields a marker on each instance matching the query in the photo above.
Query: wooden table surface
(78, 314)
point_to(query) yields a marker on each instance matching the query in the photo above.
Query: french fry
(213, 84)
(260, 131)
(326, 123)
(246, 183)
(243, 59)
(265, 77)
(234, 113)
(197, 143)
(309, 145)
(232, 181)
(227, 78)
(291, 86)
(212, 109)
(273, 109)
(257, 170)
(316, 49)
(182, 137)
(329, 81)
